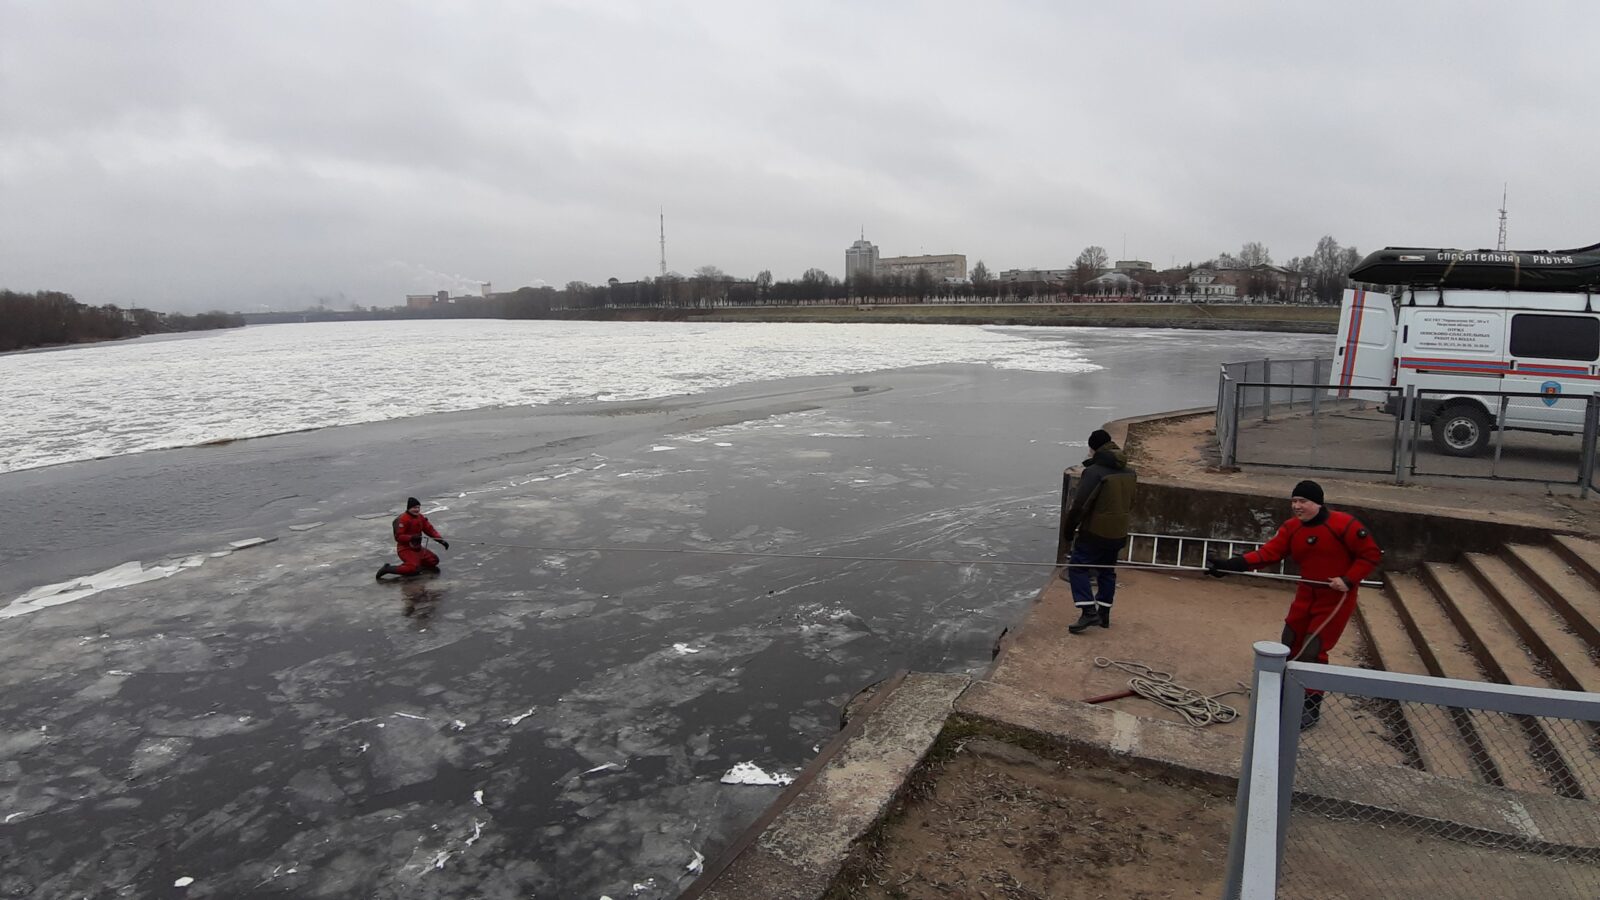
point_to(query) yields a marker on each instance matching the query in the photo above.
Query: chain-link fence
(1282, 413)
(1410, 786)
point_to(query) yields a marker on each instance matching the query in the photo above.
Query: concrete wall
(1407, 537)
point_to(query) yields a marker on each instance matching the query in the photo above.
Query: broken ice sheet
(750, 773)
(684, 649)
(125, 575)
(696, 864)
(604, 767)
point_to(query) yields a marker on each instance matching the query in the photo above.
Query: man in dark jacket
(1097, 524)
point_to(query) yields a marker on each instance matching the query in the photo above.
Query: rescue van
(1458, 346)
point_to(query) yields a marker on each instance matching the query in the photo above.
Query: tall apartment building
(951, 266)
(861, 258)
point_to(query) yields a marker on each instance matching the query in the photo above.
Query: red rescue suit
(1331, 545)
(409, 528)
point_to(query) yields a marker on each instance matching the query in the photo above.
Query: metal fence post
(1252, 870)
(1222, 384)
(1266, 389)
(1403, 433)
(1591, 434)
(1230, 453)
(1500, 434)
(1289, 713)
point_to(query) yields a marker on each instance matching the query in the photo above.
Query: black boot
(1311, 714)
(386, 570)
(1105, 617)
(1089, 617)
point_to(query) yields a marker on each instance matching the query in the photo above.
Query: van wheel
(1461, 431)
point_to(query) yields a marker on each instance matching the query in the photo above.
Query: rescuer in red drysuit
(409, 527)
(1329, 546)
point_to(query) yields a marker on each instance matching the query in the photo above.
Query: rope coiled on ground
(1158, 687)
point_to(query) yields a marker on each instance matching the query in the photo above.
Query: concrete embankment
(878, 813)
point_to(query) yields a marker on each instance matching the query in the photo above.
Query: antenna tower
(1501, 244)
(663, 241)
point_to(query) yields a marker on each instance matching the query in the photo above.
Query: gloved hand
(443, 543)
(1217, 568)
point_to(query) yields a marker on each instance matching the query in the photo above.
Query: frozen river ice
(534, 722)
(112, 399)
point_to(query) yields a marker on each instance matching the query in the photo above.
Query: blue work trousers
(1088, 551)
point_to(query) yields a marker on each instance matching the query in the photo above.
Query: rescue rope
(1156, 567)
(1159, 688)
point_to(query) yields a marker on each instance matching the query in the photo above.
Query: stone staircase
(1529, 616)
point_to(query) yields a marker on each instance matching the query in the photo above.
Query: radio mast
(664, 240)
(1502, 243)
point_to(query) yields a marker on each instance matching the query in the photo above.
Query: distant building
(861, 258)
(421, 301)
(1130, 266)
(1036, 276)
(1205, 283)
(946, 266)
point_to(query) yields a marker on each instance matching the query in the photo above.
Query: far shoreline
(1198, 316)
(1229, 317)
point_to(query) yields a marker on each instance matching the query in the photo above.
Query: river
(544, 718)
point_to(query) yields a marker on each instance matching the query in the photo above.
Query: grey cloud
(200, 154)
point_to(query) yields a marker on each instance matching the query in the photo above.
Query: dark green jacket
(1102, 506)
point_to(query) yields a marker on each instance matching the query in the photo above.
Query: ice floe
(125, 575)
(750, 773)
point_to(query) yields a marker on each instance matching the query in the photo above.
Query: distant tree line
(1320, 277)
(46, 318)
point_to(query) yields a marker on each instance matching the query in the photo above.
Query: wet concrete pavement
(273, 723)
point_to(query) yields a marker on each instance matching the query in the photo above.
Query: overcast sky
(192, 155)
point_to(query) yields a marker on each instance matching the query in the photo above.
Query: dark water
(275, 724)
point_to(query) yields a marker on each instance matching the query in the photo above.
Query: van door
(1553, 355)
(1364, 352)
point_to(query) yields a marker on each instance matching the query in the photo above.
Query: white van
(1459, 344)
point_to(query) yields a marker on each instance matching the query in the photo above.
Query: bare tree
(710, 272)
(1254, 253)
(980, 274)
(1089, 264)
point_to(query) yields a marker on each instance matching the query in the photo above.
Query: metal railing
(1413, 786)
(1262, 420)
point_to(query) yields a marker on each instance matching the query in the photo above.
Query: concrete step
(1555, 649)
(1497, 743)
(1583, 556)
(1567, 591)
(1392, 651)
(1572, 764)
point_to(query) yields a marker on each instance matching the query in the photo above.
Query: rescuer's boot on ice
(1088, 618)
(387, 570)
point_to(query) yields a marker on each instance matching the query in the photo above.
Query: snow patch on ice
(125, 575)
(750, 773)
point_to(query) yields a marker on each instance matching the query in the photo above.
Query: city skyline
(197, 156)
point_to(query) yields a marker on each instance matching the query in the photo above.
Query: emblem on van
(1551, 391)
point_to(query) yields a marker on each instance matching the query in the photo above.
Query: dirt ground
(996, 821)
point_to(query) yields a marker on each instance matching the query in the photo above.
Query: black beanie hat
(1308, 490)
(412, 501)
(1099, 438)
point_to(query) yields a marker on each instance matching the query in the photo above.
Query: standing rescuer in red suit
(409, 527)
(1329, 546)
